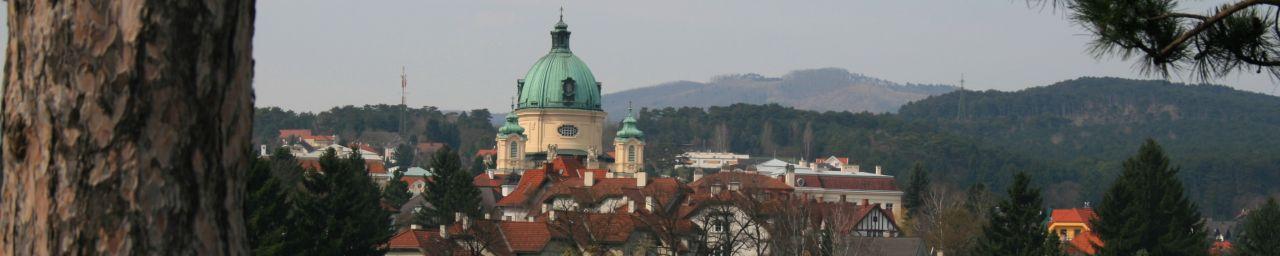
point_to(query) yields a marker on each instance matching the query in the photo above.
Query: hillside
(1225, 140)
(826, 89)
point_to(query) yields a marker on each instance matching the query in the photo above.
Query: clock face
(568, 130)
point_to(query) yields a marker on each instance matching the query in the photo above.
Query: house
(827, 183)
(1073, 226)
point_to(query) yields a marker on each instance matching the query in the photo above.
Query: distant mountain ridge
(824, 89)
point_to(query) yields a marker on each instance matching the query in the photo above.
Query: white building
(829, 183)
(712, 160)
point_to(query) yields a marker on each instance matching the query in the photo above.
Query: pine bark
(126, 127)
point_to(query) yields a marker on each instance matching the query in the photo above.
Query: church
(558, 115)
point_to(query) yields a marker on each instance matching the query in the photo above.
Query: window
(513, 150)
(875, 218)
(800, 182)
(568, 130)
(889, 206)
(631, 154)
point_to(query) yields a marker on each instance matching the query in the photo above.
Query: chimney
(588, 179)
(551, 216)
(631, 206)
(642, 179)
(878, 171)
(490, 173)
(866, 202)
(457, 216)
(488, 217)
(608, 175)
(545, 206)
(466, 222)
(264, 150)
(444, 231)
(697, 175)
(648, 203)
(415, 227)
(528, 218)
(790, 179)
(506, 190)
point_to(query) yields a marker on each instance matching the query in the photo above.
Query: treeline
(1224, 139)
(868, 139)
(380, 125)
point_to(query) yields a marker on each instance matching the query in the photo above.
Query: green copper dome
(512, 126)
(559, 79)
(629, 129)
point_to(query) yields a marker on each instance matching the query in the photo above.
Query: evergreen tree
(404, 156)
(917, 185)
(265, 210)
(343, 209)
(1145, 209)
(396, 192)
(1261, 231)
(450, 191)
(1016, 226)
(478, 166)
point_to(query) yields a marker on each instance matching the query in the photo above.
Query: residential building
(837, 181)
(708, 160)
(1074, 227)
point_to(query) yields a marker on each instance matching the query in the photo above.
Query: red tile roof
(843, 160)
(847, 214)
(411, 239)
(748, 181)
(486, 152)
(529, 184)
(845, 182)
(300, 133)
(526, 237)
(310, 164)
(484, 181)
(1074, 215)
(1085, 243)
(375, 166)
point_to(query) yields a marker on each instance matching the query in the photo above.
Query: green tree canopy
(1146, 209)
(449, 192)
(1261, 234)
(913, 195)
(1016, 226)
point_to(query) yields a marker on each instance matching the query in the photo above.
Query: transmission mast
(404, 108)
(960, 110)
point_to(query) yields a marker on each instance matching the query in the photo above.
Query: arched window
(631, 153)
(513, 150)
(800, 182)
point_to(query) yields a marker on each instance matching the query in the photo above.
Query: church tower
(628, 147)
(510, 146)
(559, 103)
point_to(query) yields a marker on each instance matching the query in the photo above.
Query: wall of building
(540, 126)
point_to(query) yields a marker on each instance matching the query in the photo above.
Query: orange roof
(843, 160)
(1074, 215)
(410, 239)
(486, 152)
(310, 164)
(529, 183)
(375, 166)
(483, 180)
(1085, 243)
(301, 133)
(526, 237)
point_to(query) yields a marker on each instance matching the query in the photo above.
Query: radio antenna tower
(960, 110)
(404, 89)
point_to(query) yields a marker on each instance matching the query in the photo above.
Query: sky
(316, 54)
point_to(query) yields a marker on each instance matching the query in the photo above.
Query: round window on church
(568, 130)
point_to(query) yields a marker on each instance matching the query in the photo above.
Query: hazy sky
(315, 54)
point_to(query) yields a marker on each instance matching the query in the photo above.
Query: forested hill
(814, 89)
(1226, 141)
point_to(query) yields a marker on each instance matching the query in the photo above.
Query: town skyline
(490, 45)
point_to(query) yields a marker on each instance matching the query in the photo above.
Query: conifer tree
(1016, 226)
(396, 192)
(343, 209)
(478, 166)
(264, 209)
(1261, 234)
(1146, 210)
(917, 184)
(450, 191)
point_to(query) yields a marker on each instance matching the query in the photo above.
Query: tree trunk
(126, 127)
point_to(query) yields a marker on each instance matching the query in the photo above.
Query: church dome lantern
(559, 79)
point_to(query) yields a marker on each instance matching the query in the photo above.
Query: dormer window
(567, 86)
